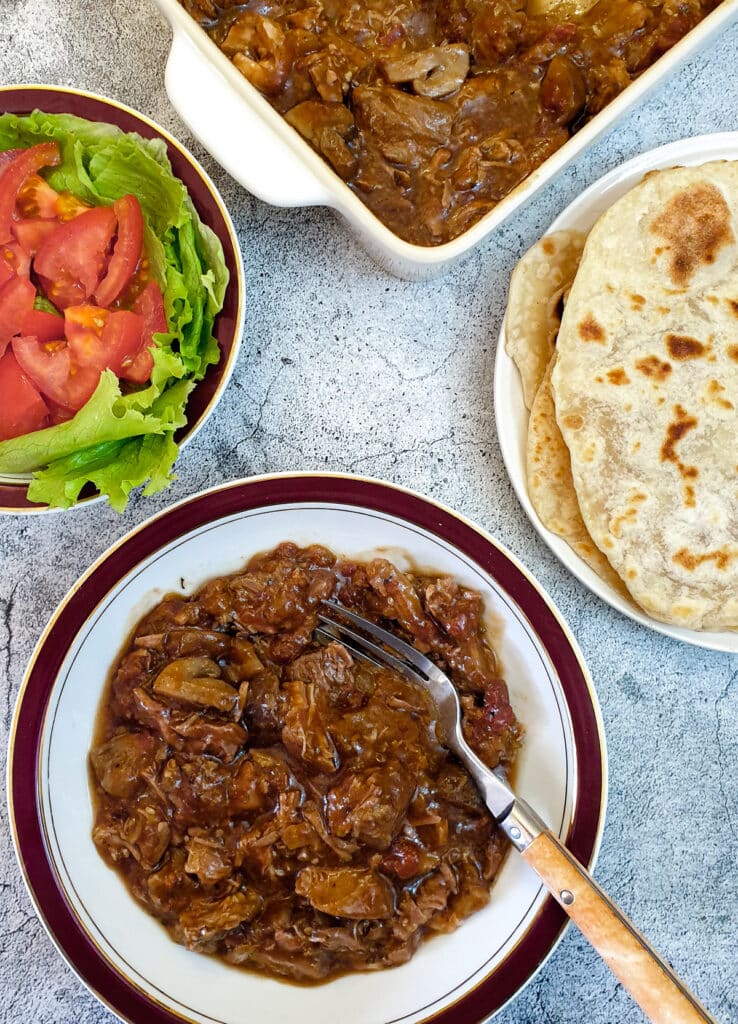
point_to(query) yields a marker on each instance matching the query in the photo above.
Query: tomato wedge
(102, 339)
(22, 409)
(31, 233)
(126, 252)
(7, 157)
(44, 326)
(14, 261)
(58, 413)
(7, 273)
(150, 305)
(49, 366)
(27, 162)
(72, 260)
(36, 198)
(16, 302)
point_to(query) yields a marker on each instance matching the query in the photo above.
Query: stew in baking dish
(433, 110)
(281, 805)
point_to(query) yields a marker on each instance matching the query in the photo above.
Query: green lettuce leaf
(108, 416)
(119, 441)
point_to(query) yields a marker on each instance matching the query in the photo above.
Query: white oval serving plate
(511, 414)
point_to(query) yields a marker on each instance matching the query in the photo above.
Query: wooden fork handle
(650, 981)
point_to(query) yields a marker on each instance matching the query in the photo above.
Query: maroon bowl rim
(22, 100)
(121, 995)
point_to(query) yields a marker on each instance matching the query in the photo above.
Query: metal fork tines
(379, 646)
(401, 656)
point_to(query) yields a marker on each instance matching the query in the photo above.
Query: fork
(647, 977)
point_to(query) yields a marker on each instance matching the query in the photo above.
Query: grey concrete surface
(344, 368)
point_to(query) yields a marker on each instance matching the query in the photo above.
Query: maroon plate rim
(120, 994)
(23, 99)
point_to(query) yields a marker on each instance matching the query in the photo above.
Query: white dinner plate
(511, 414)
(120, 951)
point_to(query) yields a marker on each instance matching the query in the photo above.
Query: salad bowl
(58, 103)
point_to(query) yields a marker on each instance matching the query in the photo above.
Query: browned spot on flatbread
(715, 391)
(573, 421)
(675, 432)
(616, 524)
(548, 247)
(681, 426)
(618, 376)
(682, 347)
(654, 367)
(722, 558)
(696, 224)
(733, 352)
(733, 306)
(590, 330)
(638, 301)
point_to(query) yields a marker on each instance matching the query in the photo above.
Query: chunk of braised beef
(174, 610)
(142, 835)
(405, 129)
(206, 920)
(355, 893)
(492, 729)
(263, 712)
(275, 594)
(135, 669)
(194, 733)
(370, 805)
(460, 613)
(208, 860)
(327, 125)
(170, 889)
(200, 734)
(122, 764)
(305, 732)
(401, 601)
(456, 787)
(332, 669)
(429, 898)
(196, 788)
(563, 89)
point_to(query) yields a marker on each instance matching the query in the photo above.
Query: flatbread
(532, 318)
(645, 386)
(551, 488)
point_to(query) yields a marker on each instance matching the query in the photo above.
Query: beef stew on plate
(282, 805)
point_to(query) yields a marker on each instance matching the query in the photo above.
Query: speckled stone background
(344, 368)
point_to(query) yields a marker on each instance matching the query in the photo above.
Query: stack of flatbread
(627, 346)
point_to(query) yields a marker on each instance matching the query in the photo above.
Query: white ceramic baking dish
(269, 158)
